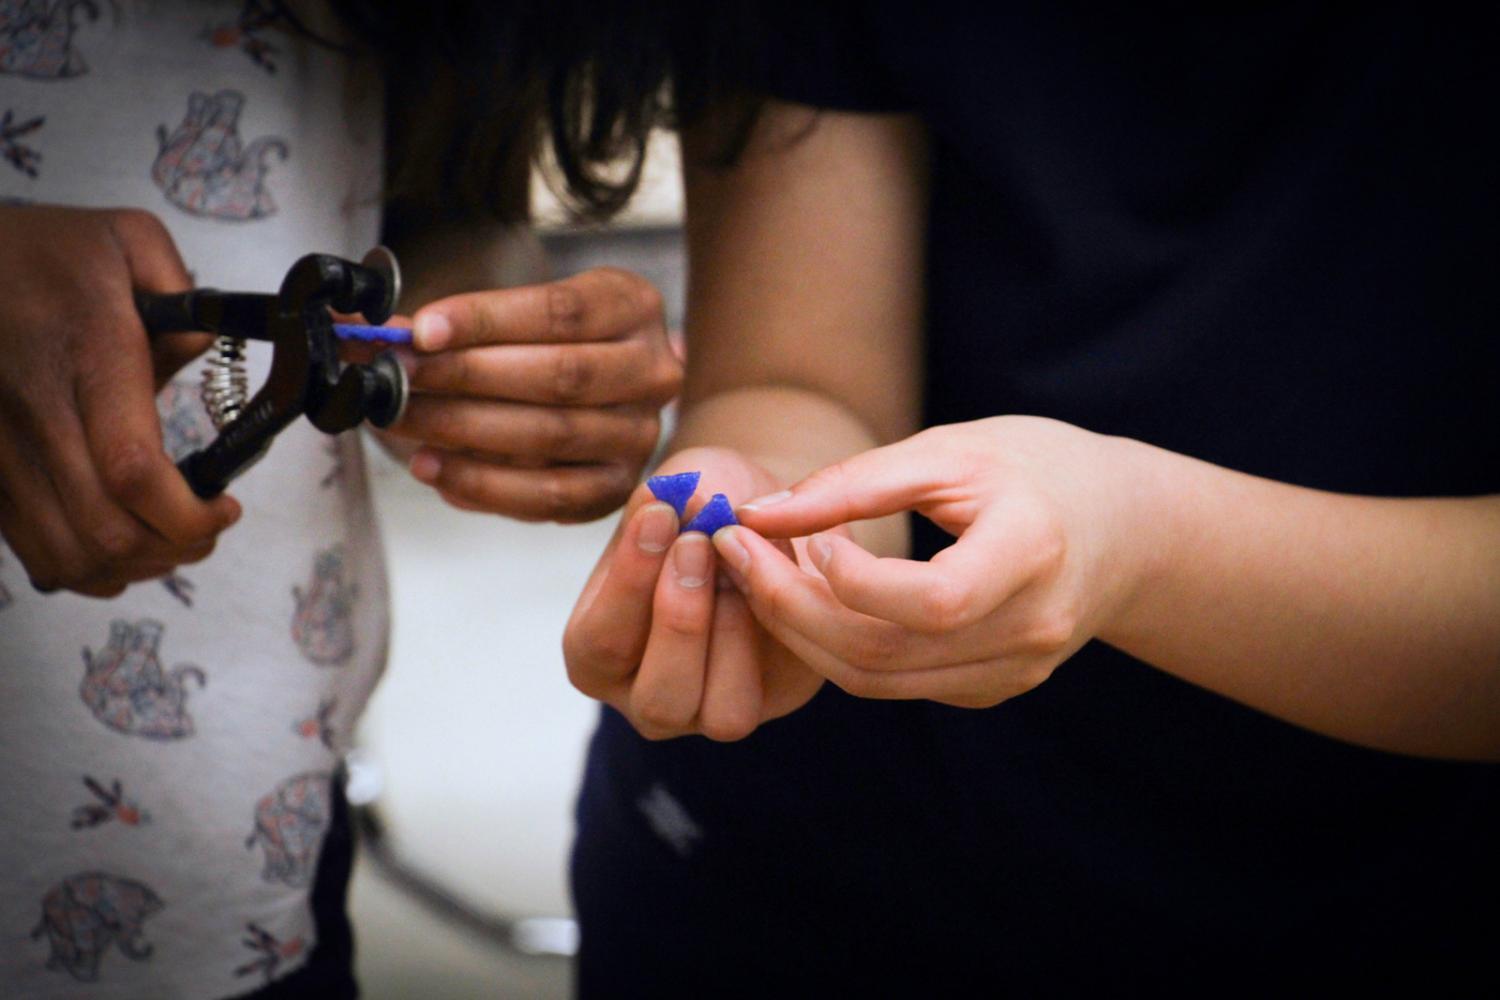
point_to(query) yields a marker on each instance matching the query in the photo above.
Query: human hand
(1050, 550)
(540, 402)
(89, 499)
(654, 636)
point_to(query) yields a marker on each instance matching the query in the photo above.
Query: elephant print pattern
(289, 824)
(36, 38)
(127, 689)
(83, 915)
(203, 167)
(322, 624)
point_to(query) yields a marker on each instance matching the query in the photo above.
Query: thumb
(875, 483)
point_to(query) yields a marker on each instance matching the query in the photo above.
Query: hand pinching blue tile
(716, 514)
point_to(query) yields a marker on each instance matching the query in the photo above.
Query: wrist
(1148, 529)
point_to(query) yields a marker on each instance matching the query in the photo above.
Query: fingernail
(768, 500)
(821, 551)
(658, 528)
(432, 332)
(425, 466)
(736, 556)
(690, 560)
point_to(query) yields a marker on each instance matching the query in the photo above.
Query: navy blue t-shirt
(1261, 238)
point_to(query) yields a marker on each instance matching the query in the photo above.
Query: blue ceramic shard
(676, 490)
(715, 514)
(378, 334)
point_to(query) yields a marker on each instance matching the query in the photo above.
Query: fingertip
(656, 527)
(432, 331)
(425, 466)
(728, 542)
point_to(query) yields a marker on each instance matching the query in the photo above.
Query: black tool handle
(237, 447)
(246, 315)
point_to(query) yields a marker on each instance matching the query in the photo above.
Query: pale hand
(658, 635)
(1050, 548)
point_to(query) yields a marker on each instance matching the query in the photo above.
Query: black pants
(329, 972)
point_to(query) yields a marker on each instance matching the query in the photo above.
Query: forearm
(791, 432)
(1370, 620)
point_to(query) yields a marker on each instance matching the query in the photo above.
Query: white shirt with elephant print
(167, 755)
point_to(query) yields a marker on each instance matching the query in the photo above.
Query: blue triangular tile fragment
(716, 514)
(676, 490)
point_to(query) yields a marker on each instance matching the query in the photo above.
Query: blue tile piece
(715, 514)
(676, 490)
(380, 334)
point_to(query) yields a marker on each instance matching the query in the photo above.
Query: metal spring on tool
(226, 386)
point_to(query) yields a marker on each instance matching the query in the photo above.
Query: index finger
(601, 304)
(874, 483)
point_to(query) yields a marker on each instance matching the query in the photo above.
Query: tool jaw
(306, 374)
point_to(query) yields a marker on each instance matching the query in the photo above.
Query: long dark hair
(481, 91)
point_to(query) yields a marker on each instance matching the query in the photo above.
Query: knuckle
(592, 655)
(461, 484)
(560, 433)
(74, 572)
(573, 373)
(669, 377)
(1049, 631)
(648, 297)
(585, 680)
(947, 605)
(198, 553)
(677, 621)
(558, 497)
(127, 473)
(659, 711)
(871, 648)
(566, 311)
(645, 435)
(727, 724)
(859, 683)
(461, 370)
(139, 224)
(1046, 538)
(113, 540)
(651, 733)
(45, 581)
(1030, 677)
